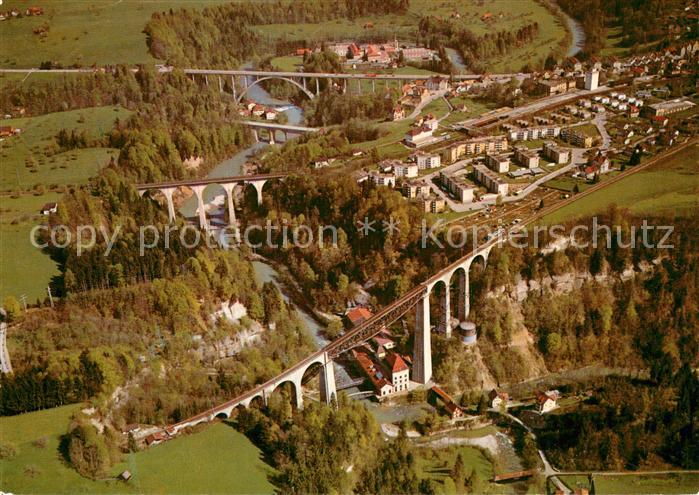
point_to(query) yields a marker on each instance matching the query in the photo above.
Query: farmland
(33, 158)
(218, 459)
(666, 188)
(24, 269)
(83, 32)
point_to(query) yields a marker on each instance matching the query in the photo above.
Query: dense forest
(475, 49)
(223, 36)
(629, 424)
(322, 449)
(637, 19)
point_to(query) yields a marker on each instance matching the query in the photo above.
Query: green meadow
(33, 158)
(640, 483)
(217, 459)
(24, 269)
(669, 187)
(85, 32)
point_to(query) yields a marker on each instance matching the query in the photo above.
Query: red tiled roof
(396, 362)
(358, 315)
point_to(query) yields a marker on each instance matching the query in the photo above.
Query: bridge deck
(281, 127)
(209, 180)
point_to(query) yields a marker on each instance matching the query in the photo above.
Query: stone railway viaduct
(417, 300)
(199, 185)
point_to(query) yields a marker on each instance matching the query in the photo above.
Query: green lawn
(24, 269)
(438, 463)
(83, 31)
(638, 484)
(669, 187)
(218, 459)
(28, 159)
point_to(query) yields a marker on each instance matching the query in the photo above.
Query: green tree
(12, 307)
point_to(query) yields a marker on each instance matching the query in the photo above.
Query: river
(214, 196)
(578, 33)
(577, 44)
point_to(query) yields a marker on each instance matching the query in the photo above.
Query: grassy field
(83, 31)
(215, 460)
(438, 463)
(24, 269)
(24, 160)
(638, 484)
(667, 187)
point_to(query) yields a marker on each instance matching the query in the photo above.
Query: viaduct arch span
(198, 185)
(417, 299)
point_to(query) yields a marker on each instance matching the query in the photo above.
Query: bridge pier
(167, 191)
(206, 78)
(317, 87)
(230, 189)
(359, 86)
(220, 85)
(445, 304)
(199, 193)
(271, 136)
(328, 389)
(422, 348)
(462, 303)
(235, 96)
(258, 185)
(373, 86)
(257, 137)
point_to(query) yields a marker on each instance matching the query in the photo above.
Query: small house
(49, 208)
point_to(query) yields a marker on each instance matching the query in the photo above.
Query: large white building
(407, 170)
(498, 163)
(425, 161)
(591, 80)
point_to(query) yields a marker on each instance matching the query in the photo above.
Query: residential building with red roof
(358, 315)
(400, 372)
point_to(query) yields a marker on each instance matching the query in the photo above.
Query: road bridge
(273, 127)
(198, 185)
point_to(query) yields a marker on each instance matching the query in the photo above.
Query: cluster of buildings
(253, 109)
(416, 92)
(387, 371)
(422, 132)
(531, 133)
(596, 166)
(28, 12)
(377, 54)
(475, 146)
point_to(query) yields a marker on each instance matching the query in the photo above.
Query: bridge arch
(287, 79)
